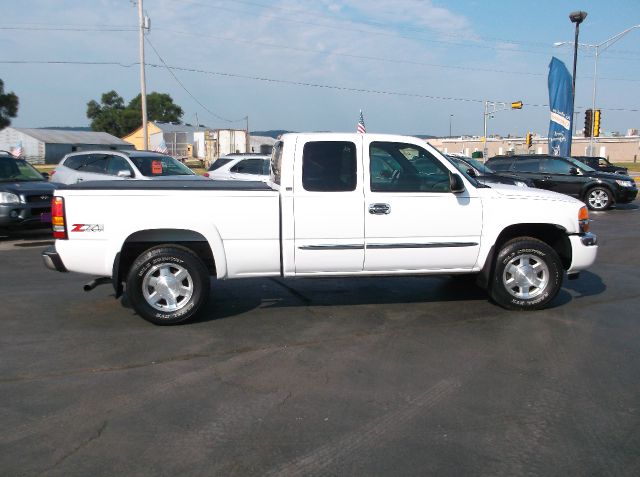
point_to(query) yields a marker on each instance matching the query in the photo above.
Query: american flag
(162, 147)
(361, 128)
(16, 151)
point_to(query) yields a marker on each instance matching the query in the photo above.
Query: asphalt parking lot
(384, 376)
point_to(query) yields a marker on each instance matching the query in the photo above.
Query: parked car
(25, 195)
(599, 190)
(119, 165)
(240, 167)
(484, 174)
(602, 164)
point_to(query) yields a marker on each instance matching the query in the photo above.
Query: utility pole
(247, 139)
(143, 84)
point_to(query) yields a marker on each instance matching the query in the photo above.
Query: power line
(68, 28)
(298, 83)
(366, 57)
(168, 68)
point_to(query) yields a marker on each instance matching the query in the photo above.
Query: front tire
(528, 275)
(598, 198)
(167, 285)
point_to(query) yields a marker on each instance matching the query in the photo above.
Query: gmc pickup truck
(335, 205)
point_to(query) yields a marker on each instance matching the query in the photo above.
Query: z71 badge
(87, 228)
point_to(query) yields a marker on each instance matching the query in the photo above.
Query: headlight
(9, 198)
(521, 184)
(624, 183)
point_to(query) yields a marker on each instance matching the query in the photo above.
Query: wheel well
(138, 242)
(612, 195)
(553, 235)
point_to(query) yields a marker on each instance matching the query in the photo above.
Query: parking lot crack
(78, 448)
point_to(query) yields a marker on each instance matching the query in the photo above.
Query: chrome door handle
(379, 209)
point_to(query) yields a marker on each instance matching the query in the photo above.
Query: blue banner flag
(561, 105)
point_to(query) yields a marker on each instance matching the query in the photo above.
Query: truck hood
(505, 190)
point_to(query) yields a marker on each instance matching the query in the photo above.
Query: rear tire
(527, 275)
(167, 285)
(598, 198)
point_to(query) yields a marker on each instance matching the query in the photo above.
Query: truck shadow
(234, 297)
(589, 284)
(231, 298)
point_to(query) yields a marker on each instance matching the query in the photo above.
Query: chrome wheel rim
(598, 199)
(167, 287)
(525, 276)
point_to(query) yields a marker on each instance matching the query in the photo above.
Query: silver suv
(119, 165)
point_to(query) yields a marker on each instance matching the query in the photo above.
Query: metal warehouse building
(48, 146)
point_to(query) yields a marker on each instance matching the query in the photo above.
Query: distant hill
(274, 133)
(68, 128)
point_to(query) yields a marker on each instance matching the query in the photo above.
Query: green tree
(8, 106)
(111, 115)
(106, 115)
(160, 107)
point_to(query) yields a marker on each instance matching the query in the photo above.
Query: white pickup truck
(336, 205)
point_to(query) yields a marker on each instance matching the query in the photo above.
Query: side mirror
(573, 171)
(472, 172)
(455, 183)
(45, 175)
(124, 173)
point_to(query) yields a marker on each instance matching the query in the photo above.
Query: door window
(329, 166)
(95, 163)
(117, 164)
(556, 166)
(399, 167)
(501, 165)
(526, 165)
(248, 166)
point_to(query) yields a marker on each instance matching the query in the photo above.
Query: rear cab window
(329, 166)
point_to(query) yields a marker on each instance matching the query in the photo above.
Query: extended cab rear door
(329, 222)
(413, 222)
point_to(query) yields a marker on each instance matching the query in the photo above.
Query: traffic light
(528, 142)
(588, 123)
(516, 105)
(596, 123)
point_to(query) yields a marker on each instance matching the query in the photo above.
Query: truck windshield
(18, 170)
(154, 166)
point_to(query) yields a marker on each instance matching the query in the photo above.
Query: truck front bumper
(584, 249)
(52, 260)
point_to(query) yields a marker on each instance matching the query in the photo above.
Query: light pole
(450, 116)
(597, 49)
(577, 18)
(143, 23)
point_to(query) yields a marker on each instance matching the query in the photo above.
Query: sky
(411, 66)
